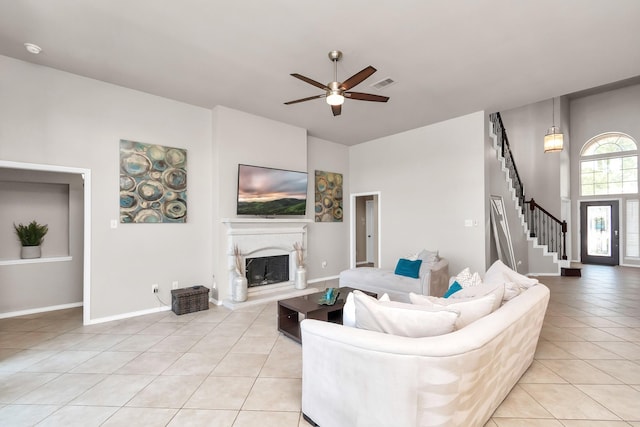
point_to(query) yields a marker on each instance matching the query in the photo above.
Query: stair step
(571, 271)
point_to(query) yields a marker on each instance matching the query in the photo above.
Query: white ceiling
(448, 57)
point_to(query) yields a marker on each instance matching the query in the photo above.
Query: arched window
(609, 165)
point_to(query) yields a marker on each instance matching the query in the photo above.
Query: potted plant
(31, 237)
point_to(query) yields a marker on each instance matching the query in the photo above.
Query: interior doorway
(599, 232)
(365, 230)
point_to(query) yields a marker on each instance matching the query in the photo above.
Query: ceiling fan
(335, 91)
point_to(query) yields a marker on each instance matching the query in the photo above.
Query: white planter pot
(239, 289)
(301, 278)
(29, 252)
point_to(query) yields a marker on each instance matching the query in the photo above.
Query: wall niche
(45, 202)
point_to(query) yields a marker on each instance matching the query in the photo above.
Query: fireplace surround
(265, 237)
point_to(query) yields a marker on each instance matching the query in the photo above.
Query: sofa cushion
(480, 291)
(408, 268)
(470, 309)
(403, 319)
(349, 309)
(500, 273)
(514, 282)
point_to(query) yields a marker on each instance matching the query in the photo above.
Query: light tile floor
(222, 368)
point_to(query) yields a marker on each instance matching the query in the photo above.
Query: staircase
(546, 235)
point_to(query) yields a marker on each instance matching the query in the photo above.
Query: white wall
(540, 172)
(240, 137)
(431, 180)
(328, 241)
(612, 111)
(53, 117)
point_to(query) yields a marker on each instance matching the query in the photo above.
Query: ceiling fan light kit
(335, 91)
(334, 96)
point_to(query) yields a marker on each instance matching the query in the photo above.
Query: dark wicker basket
(189, 300)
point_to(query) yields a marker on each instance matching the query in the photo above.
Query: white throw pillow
(402, 319)
(479, 291)
(500, 273)
(349, 310)
(470, 309)
(466, 279)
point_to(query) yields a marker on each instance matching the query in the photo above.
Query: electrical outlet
(174, 284)
(154, 288)
(324, 264)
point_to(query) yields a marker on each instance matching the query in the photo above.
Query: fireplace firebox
(267, 270)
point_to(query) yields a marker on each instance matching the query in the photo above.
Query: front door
(599, 238)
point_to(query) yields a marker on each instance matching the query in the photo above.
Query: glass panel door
(599, 231)
(599, 239)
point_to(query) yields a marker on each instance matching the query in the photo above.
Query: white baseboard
(128, 315)
(39, 310)
(323, 279)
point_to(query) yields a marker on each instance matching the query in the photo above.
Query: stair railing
(509, 161)
(548, 229)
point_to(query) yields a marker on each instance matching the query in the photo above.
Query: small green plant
(32, 234)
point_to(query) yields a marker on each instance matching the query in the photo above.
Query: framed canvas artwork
(328, 202)
(153, 183)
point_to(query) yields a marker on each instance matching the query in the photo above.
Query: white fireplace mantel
(265, 223)
(258, 237)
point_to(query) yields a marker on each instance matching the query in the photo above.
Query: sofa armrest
(436, 281)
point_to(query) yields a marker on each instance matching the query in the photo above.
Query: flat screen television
(266, 191)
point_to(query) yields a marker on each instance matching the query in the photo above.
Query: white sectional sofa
(434, 281)
(355, 377)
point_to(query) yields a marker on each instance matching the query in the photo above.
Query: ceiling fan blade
(336, 109)
(357, 78)
(310, 81)
(324, 95)
(366, 96)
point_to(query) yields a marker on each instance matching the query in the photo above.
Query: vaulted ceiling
(447, 58)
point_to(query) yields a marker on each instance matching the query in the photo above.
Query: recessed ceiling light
(32, 48)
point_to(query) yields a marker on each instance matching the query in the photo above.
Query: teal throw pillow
(408, 268)
(455, 287)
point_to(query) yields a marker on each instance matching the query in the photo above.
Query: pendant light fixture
(554, 139)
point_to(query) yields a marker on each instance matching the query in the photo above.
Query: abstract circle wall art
(328, 203)
(153, 183)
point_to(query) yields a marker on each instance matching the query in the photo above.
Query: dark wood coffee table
(289, 311)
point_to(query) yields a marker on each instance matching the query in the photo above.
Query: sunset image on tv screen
(266, 191)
